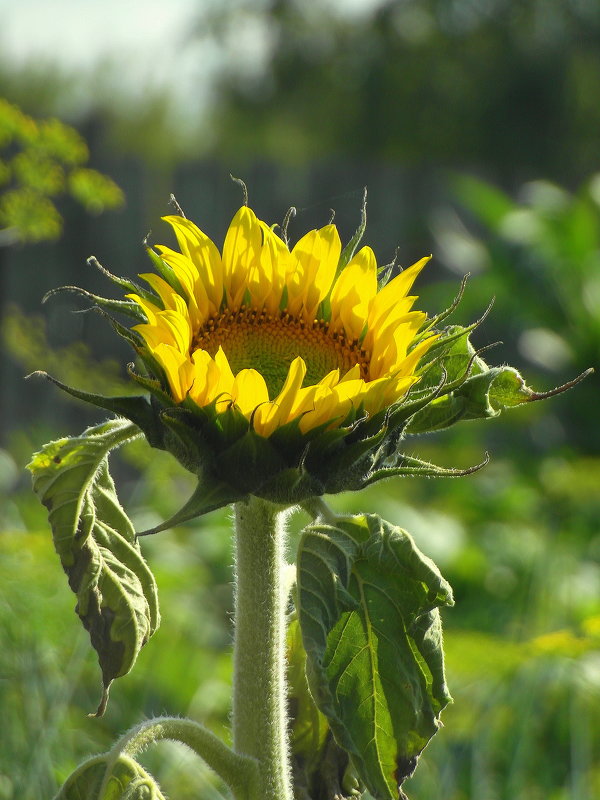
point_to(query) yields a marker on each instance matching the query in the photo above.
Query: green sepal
(291, 485)
(123, 283)
(231, 425)
(133, 407)
(209, 495)
(350, 249)
(449, 357)
(354, 452)
(127, 307)
(167, 273)
(415, 467)
(368, 609)
(483, 395)
(436, 321)
(96, 543)
(187, 442)
(258, 456)
(127, 781)
(469, 389)
(130, 336)
(152, 386)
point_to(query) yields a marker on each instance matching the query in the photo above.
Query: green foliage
(95, 192)
(421, 82)
(368, 609)
(96, 543)
(25, 339)
(546, 244)
(42, 160)
(519, 546)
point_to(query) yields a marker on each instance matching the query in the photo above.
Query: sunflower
(279, 334)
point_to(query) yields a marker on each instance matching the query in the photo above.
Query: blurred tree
(40, 161)
(507, 87)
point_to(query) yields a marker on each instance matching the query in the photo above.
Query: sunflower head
(290, 372)
(273, 358)
(279, 335)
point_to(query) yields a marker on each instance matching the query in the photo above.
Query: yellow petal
(241, 254)
(206, 378)
(390, 349)
(279, 411)
(293, 382)
(353, 294)
(249, 391)
(188, 276)
(179, 328)
(223, 383)
(313, 264)
(205, 256)
(161, 287)
(149, 309)
(178, 370)
(266, 281)
(392, 295)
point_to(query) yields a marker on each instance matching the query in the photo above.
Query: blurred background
(476, 128)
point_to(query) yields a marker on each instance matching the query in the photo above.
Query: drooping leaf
(116, 592)
(127, 781)
(368, 610)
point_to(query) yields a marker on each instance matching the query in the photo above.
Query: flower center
(269, 343)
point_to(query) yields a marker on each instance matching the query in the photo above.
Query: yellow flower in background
(281, 334)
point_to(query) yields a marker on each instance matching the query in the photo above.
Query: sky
(143, 46)
(142, 42)
(77, 32)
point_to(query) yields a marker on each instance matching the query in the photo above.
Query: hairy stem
(237, 771)
(259, 698)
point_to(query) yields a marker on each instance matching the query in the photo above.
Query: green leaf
(116, 592)
(308, 726)
(368, 610)
(127, 781)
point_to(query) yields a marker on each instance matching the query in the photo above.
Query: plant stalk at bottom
(259, 694)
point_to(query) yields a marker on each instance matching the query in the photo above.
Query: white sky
(143, 41)
(76, 32)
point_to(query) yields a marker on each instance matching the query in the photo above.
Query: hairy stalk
(237, 771)
(259, 694)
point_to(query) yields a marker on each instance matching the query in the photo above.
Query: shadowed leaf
(368, 610)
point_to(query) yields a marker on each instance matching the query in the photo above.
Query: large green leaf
(116, 592)
(368, 609)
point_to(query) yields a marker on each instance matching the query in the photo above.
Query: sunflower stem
(259, 693)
